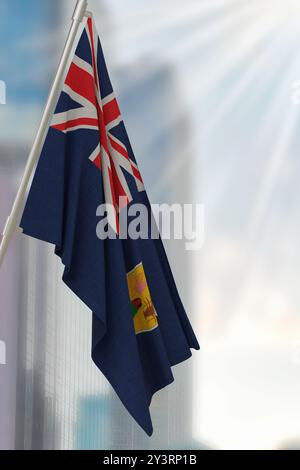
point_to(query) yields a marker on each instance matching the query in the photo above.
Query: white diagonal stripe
(114, 123)
(72, 114)
(95, 153)
(119, 161)
(80, 126)
(112, 220)
(108, 98)
(76, 97)
(83, 65)
(112, 137)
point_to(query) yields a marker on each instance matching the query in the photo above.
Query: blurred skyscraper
(20, 61)
(213, 82)
(94, 423)
(63, 401)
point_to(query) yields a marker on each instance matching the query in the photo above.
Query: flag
(139, 325)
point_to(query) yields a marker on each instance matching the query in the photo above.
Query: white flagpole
(14, 218)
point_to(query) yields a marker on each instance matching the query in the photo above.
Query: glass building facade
(208, 90)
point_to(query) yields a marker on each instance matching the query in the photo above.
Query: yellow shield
(143, 311)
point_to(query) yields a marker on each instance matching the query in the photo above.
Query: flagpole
(14, 218)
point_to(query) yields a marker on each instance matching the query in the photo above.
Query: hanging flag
(140, 328)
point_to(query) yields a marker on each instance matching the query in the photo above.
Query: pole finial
(79, 11)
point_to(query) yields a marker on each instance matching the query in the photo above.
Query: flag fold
(139, 325)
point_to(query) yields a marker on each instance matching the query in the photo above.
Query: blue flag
(140, 328)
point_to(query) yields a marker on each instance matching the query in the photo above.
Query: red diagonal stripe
(94, 59)
(119, 148)
(102, 128)
(97, 161)
(111, 111)
(76, 122)
(136, 173)
(114, 201)
(81, 82)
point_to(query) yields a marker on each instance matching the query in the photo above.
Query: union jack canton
(93, 105)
